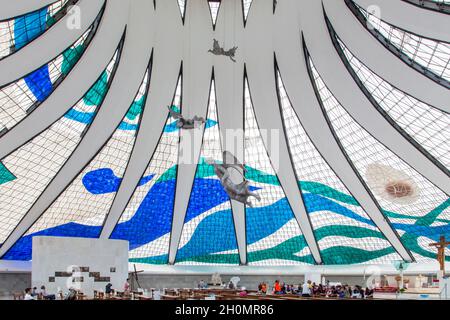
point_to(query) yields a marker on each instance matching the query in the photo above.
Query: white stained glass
(430, 54)
(214, 7)
(182, 5)
(427, 125)
(246, 5)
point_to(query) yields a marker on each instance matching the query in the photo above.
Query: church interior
(251, 150)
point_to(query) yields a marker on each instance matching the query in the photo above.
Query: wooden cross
(441, 245)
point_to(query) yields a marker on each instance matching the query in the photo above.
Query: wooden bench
(18, 295)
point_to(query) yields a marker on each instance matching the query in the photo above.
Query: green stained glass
(136, 109)
(71, 56)
(97, 93)
(5, 175)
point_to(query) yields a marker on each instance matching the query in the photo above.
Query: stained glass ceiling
(374, 207)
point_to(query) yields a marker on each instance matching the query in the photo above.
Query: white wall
(53, 255)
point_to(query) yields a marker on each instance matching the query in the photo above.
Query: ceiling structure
(339, 110)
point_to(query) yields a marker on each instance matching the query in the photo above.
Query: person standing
(306, 289)
(126, 287)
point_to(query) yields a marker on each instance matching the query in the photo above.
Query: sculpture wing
(174, 114)
(216, 45)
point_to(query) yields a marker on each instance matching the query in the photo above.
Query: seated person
(243, 293)
(28, 295)
(277, 287)
(356, 294)
(34, 292)
(45, 296)
(321, 290)
(288, 289)
(369, 293)
(71, 295)
(202, 285)
(264, 288)
(108, 289)
(283, 288)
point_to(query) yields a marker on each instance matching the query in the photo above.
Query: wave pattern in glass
(417, 209)
(344, 231)
(147, 220)
(208, 235)
(37, 162)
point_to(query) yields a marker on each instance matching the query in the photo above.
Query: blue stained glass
(39, 83)
(153, 220)
(29, 27)
(103, 181)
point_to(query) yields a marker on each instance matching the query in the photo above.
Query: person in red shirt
(277, 287)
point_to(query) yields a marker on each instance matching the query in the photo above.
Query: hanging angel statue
(219, 51)
(239, 192)
(184, 123)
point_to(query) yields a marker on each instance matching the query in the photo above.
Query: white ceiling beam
(294, 72)
(342, 85)
(426, 23)
(229, 79)
(262, 86)
(84, 74)
(375, 56)
(166, 62)
(125, 83)
(197, 72)
(49, 45)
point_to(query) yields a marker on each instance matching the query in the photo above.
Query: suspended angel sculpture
(219, 51)
(184, 123)
(239, 192)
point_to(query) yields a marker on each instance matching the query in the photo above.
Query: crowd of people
(310, 289)
(306, 289)
(35, 294)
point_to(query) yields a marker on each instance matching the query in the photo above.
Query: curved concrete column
(77, 83)
(343, 86)
(375, 56)
(49, 45)
(426, 23)
(130, 72)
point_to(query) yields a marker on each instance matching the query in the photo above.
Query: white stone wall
(53, 256)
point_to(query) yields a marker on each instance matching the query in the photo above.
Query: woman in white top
(28, 295)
